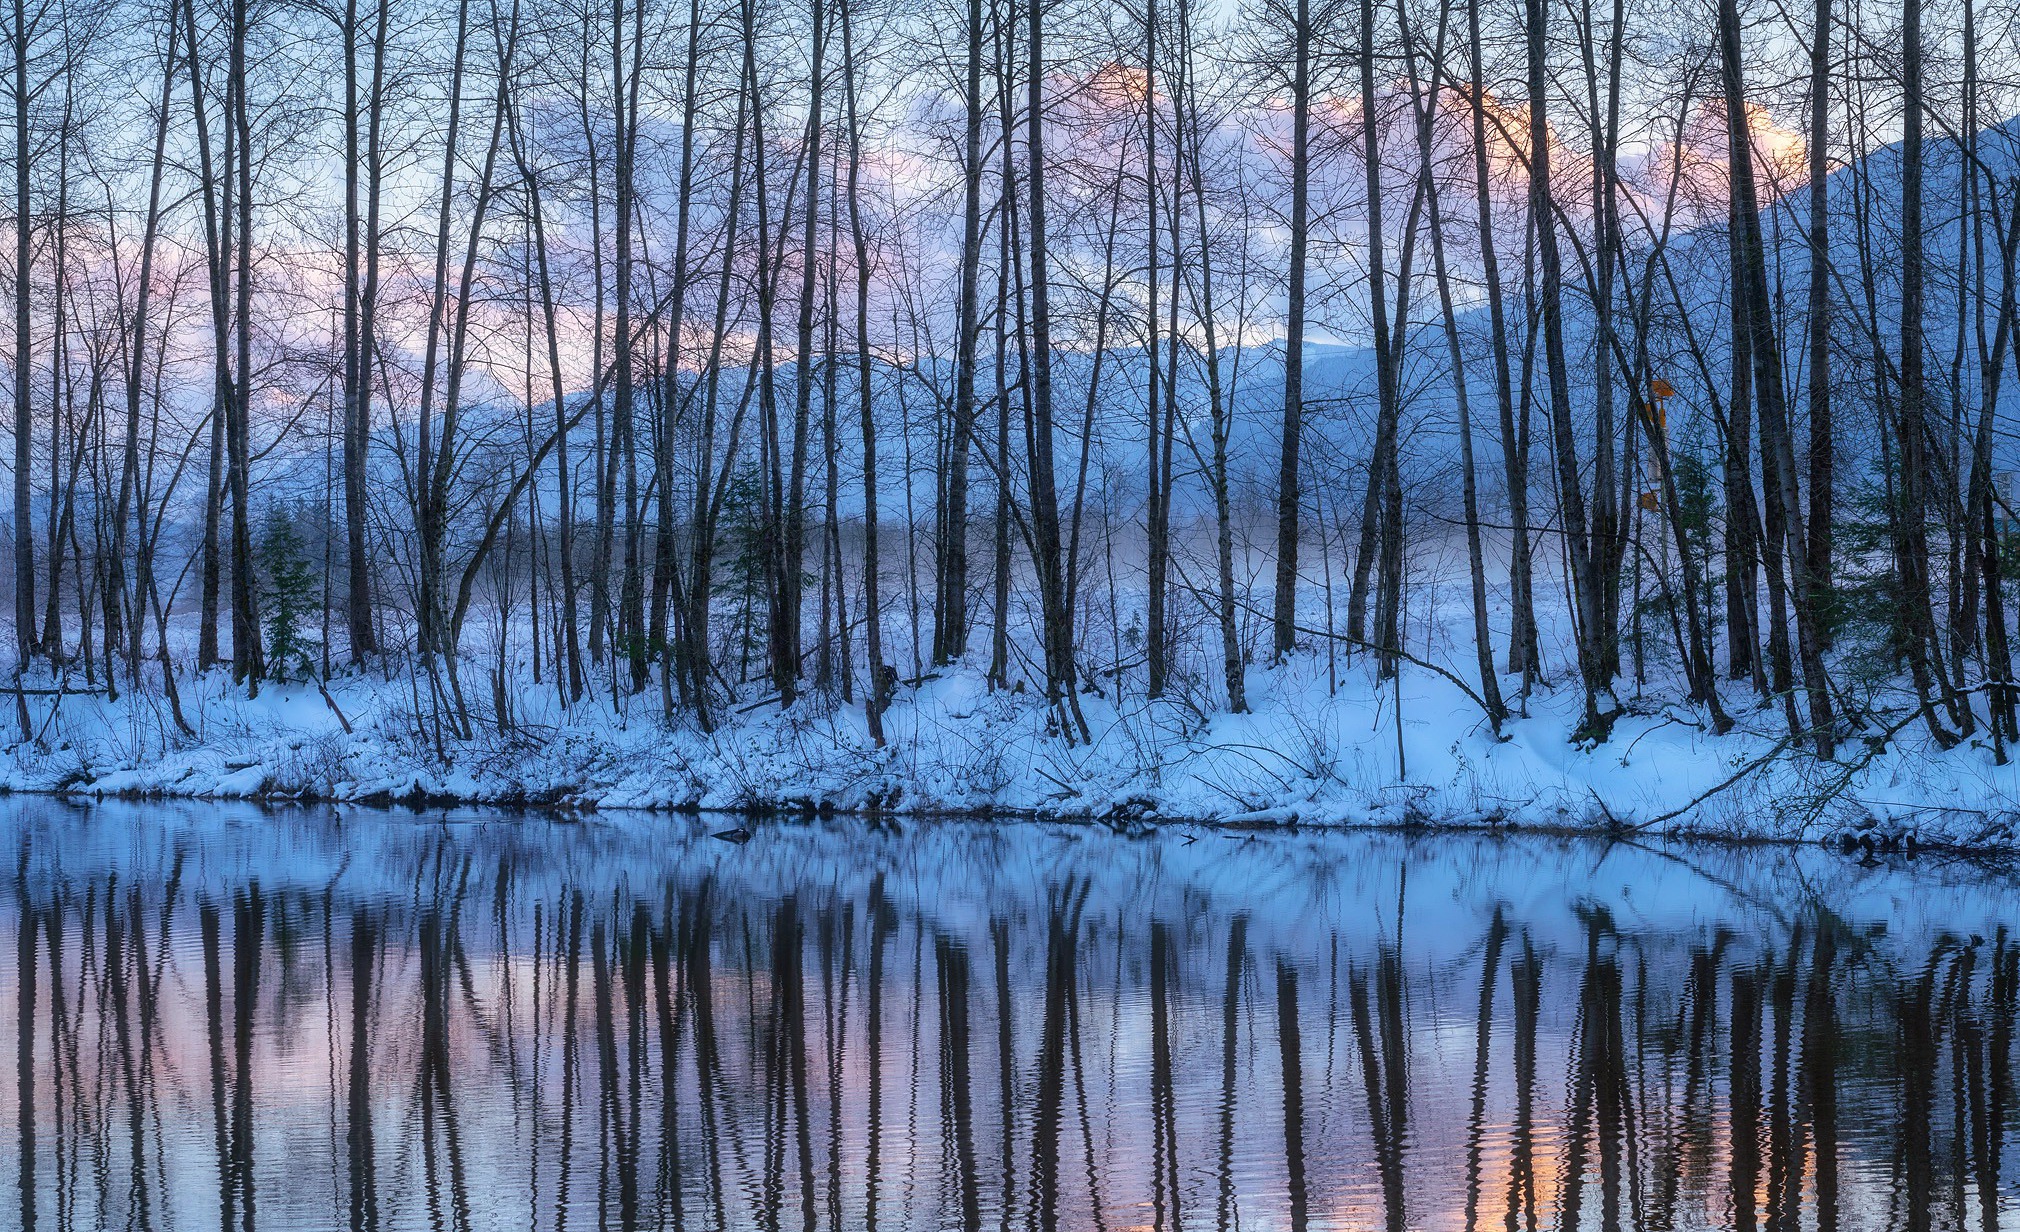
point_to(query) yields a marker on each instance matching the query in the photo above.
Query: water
(307, 1019)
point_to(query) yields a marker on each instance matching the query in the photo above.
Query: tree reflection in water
(313, 1019)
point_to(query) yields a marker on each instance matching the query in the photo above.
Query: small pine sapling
(287, 597)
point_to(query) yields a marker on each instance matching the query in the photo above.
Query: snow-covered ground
(1323, 744)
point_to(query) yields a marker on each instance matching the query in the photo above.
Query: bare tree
(950, 601)
(1057, 632)
(1284, 615)
(1912, 537)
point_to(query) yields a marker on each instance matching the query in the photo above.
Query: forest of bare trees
(685, 356)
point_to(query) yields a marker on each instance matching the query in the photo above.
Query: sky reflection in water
(345, 1019)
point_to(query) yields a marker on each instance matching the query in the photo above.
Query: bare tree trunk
(570, 651)
(786, 617)
(431, 523)
(624, 81)
(505, 37)
(217, 242)
(1783, 506)
(1983, 501)
(1571, 501)
(708, 503)
(603, 460)
(1186, 135)
(881, 677)
(1998, 646)
(1111, 278)
(1749, 394)
(666, 584)
(247, 660)
(1007, 249)
(117, 600)
(368, 300)
(1912, 563)
(1284, 613)
(950, 600)
(999, 616)
(832, 630)
(62, 397)
(24, 352)
(1821, 442)
(1483, 641)
(1609, 544)
(1522, 647)
(358, 353)
(1381, 532)
(1060, 687)
(1374, 531)
(783, 660)
(1157, 517)
(1742, 523)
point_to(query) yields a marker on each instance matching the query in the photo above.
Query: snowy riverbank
(1313, 751)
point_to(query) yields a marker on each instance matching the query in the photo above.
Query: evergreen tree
(287, 596)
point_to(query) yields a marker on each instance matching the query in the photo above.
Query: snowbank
(1324, 745)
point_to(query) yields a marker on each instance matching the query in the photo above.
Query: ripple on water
(315, 1018)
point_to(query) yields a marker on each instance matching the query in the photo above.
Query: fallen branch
(1404, 655)
(1409, 658)
(331, 702)
(1780, 747)
(1875, 745)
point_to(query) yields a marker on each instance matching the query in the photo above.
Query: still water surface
(344, 1019)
